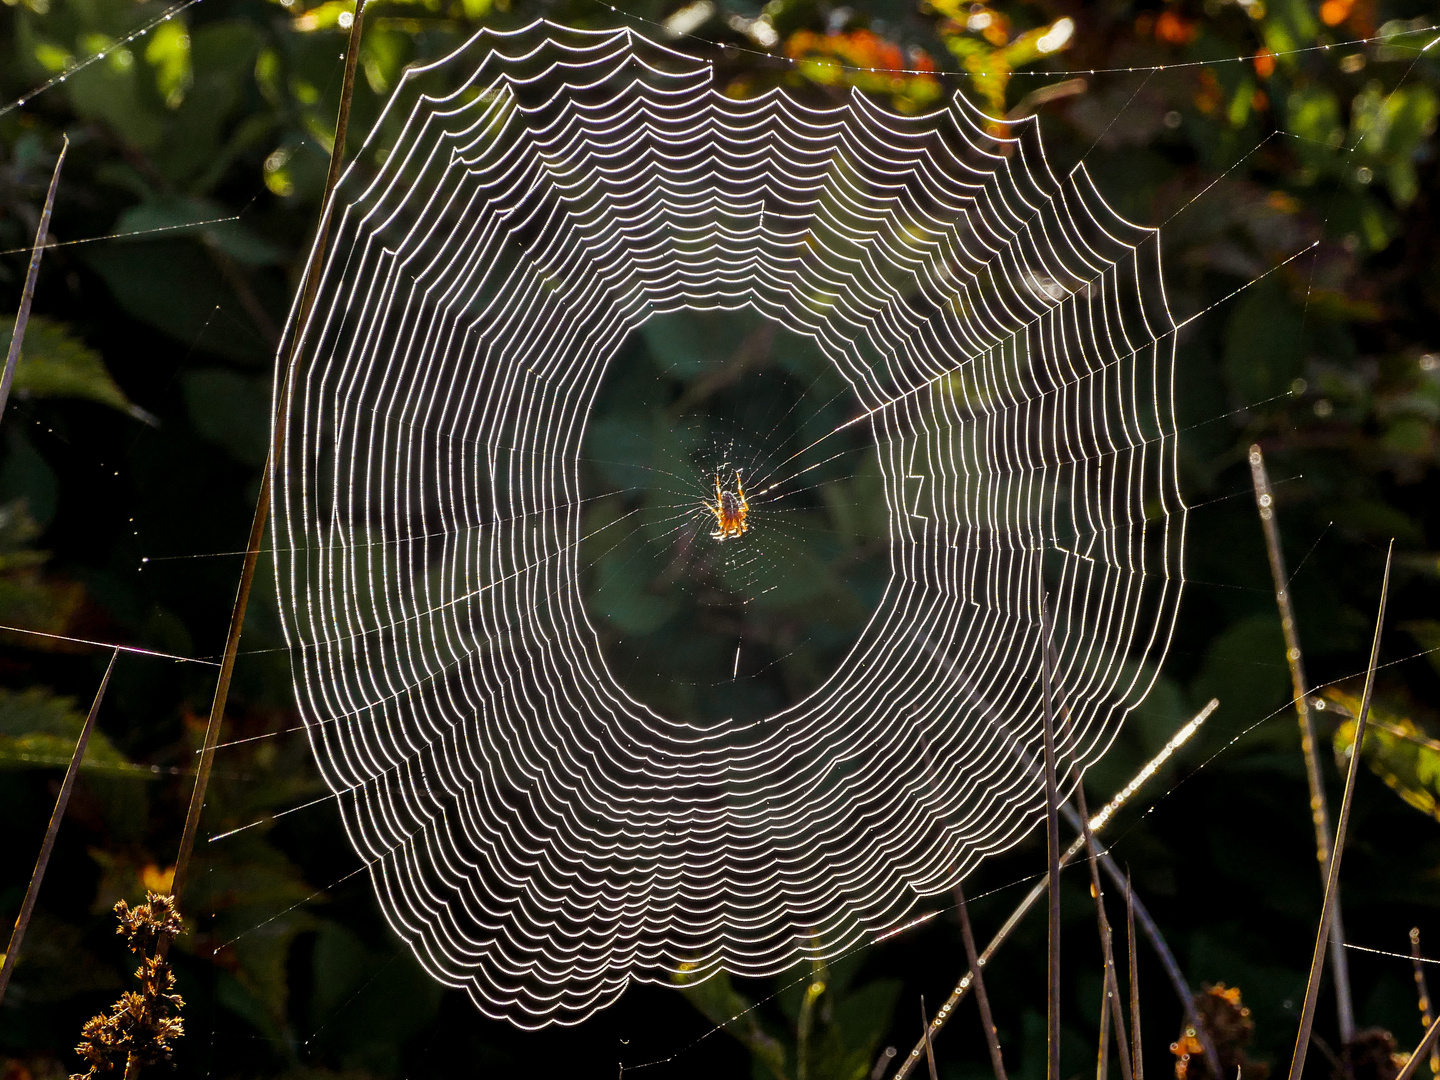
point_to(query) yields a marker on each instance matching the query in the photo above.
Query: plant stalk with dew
(1328, 905)
(1319, 806)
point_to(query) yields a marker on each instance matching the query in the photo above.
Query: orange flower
(1334, 12)
(876, 65)
(1174, 29)
(157, 880)
(1264, 63)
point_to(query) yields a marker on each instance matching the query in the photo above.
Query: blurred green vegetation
(130, 454)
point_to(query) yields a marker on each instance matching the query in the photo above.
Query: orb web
(537, 835)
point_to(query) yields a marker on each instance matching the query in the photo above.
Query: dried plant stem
(1167, 961)
(1327, 908)
(1423, 993)
(925, 1034)
(1428, 1046)
(27, 296)
(1319, 806)
(982, 999)
(1110, 984)
(1136, 1046)
(32, 891)
(262, 503)
(1052, 856)
(1102, 1061)
(1097, 823)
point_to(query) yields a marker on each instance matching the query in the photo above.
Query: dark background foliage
(131, 452)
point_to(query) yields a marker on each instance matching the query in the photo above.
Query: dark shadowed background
(131, 451)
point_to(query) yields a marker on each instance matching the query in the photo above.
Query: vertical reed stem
(1110, 988)
(982, 999)
(1428, 1045)
(1423, 993)
(1052, 854)
(1102, 1062)
(32, 891)
(929, 1049)
(27, 296)
(1136, 1046)
(1327, 908)
(1103, 818)
(1319, 805)
(262, 502)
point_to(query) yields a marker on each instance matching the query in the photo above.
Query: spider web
(537, 834)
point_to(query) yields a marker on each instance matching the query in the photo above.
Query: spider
(730, 509)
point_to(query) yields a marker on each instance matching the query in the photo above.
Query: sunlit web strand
(1068, 73)
(536, 834)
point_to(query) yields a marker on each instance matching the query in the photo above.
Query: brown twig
(1110, 984)
(1097, 823)
(32, 891)
(262, 503)
(1136, 1046)
(1423, 992)
(1319, 806)
(925, 1034)
(982, 999)
(1102, 1059)
(1327, 908)
(1052, 854)
(27, 296)
(1167, 961)
(1428, 1046)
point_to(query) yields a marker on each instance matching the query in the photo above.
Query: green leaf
(223, 58)
(29, 488)
(232, 410)
(368, 1002)
(686, 343)
(1396, 750)
(187, 216)
(1264, 344)
(719, 1002)
(56, 364)
(621, 595)
(168, 52)
(174, 286)
(1426, 631)
(1246, 664)
(38, 730)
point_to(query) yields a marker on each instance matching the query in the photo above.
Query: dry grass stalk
(1167, 960)
(262, 503)
(1327, 909)
(1423, 992)
(1428, 1045)
(1136, 1046)
(982, 999)
(929, 1048)
(1110, 984)
(1319, 806)
(27, 296)
(1101, 819)
(62, 800)
(1102, 1059)
(1052, 857)
(22, 318)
